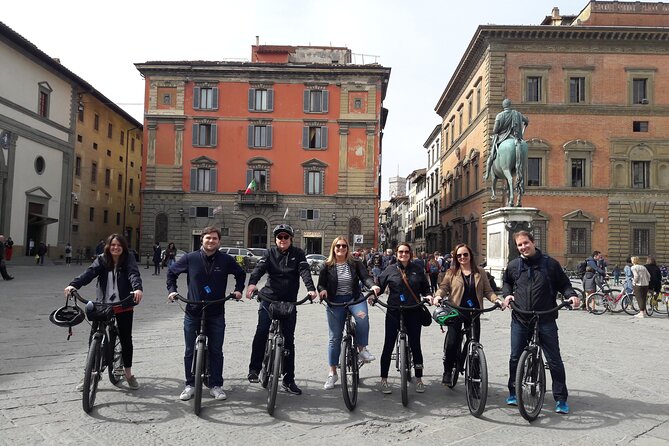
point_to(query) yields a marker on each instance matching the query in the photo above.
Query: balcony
(258, 198)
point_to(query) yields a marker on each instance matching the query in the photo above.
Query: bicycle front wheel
(530, 384)
(92, 373)
(200, 353)
(348, 365)
(476, 381)
(274, 378)
(630, 304)
(404, 369)
(596, 303)
(115, 358)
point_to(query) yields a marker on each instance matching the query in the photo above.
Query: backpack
(581, 267)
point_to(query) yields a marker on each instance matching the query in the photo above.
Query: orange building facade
(594, 87)
(302, 124)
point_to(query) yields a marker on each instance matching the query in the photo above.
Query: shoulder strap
(406, 282)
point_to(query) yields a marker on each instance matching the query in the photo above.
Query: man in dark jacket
(531, 281)
(284, 265)
(207, 270)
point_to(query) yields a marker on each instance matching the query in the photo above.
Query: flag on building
(217, 210)
(251, 187)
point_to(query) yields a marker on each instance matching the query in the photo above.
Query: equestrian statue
(508, 155)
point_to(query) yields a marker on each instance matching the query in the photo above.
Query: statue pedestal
(501, 223)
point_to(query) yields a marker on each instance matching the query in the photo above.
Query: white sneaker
(218, 393)
(366, 356)
(187, 393)
(330, 382)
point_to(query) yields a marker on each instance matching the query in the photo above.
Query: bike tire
(348, 366)
(476, 382)
(649, 305)
(662, 305)
(92, 374)
(616, 306)
(630, 304)
(274, 379)
(200, 353)
(597, 303)
(404, 367)
(530, 384)
(115, 358)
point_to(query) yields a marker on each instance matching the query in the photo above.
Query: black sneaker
(447, 378)
(252, 376)
(291, 387)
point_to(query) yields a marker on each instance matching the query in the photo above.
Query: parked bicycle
(104, 351)
(272, 363)
(658, 302)
(473, 362)
(349, 360)
(612, 300)
(201, 361)
(402, 356)
(531, 371)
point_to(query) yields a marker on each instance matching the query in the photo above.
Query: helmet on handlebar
(446, 316)
(278, 229)
(67, 316)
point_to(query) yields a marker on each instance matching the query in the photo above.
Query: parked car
(316, 262)
(259, 252)
(244, 257)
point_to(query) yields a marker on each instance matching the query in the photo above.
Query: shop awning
(39, 219)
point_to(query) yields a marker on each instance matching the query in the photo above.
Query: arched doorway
(257, 234)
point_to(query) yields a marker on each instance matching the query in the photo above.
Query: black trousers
(454, 341)
(413, 327)
(260, 339)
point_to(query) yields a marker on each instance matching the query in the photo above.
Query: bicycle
(473, 364)
(658, 302)
(349, 362)
(104, 350)
(531, 372)
(599, 303)
(272, 363)
(403, 358)
(200, 365)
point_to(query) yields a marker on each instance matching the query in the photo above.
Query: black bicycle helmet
(278, 229)
(67, 316)
(445, 316)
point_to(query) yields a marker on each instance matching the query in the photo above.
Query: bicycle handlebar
(75, 294)
(205, 302)
(360, 299)
(261, 297)
(514, 307)
(400, 307)
(495, 306)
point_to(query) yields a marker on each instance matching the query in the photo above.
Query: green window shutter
(252, 99)
(250, 135)
(303, 214)
(214, 99)
(214, 134)
(196, 134)
(326, 96)
(192, 211)
(196, 97)
(270, 100)
(269, 136)
(306, 100)
(193, 178)
(324, 137)
(210, 212)
(317, 214)
(212, 180)
(305, 137)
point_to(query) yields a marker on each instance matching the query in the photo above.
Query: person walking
(117, 277)
(405, 281)
(433, 269)
(170, 254)
(41, 252)
(3, 265)
(207, 277)
(628, 283)
(9, 249)
(157, 257)
(68, 254)
(284, 265)
(531, 281)
(640, 282)
(339, 281)
(464, 285)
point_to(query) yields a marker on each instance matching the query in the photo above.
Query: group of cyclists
(531, 280)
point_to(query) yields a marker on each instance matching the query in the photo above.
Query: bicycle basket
(280, 310)
(445, 316)
(99, 312)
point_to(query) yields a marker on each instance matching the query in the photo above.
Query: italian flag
(251, 187)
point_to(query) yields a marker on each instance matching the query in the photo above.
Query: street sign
(358, 239)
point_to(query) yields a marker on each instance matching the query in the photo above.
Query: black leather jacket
(129, 279)
(327, 279)
(284, 270)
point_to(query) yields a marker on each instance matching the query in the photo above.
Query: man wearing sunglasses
(284, 265)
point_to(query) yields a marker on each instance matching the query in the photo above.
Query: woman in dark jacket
(339, 281)
(117, 277)
(157, 258)
(393, 278)
(655, 284)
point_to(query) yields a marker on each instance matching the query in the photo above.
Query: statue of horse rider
(509, 123)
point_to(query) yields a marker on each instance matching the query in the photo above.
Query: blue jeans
(336, 317)
(215, 331)
(548, 337)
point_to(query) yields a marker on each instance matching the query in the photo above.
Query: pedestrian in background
(170, 254)
(68, 254)
(629, 288)
(616, 275)
(157, 256)
(9, 248)
(41, 252)
(655, 283)
(640, 281)
(3, 265)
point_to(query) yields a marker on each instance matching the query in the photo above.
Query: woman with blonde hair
(339, 282)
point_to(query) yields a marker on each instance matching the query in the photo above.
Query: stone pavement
(616, 370)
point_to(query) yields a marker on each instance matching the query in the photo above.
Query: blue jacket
(207, 278)
(129, 279)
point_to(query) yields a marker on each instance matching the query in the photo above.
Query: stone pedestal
(501, 223)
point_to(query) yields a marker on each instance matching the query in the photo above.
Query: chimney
(257, 40)
(556, 13)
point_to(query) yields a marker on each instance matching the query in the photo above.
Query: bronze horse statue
(510, 161)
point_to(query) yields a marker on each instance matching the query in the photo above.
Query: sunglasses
(282, 237)
(341, 246)
(404, 252)
(464, 254)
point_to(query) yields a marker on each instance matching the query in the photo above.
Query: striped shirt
(344, 280)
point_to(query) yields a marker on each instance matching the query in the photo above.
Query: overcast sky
(421, 40)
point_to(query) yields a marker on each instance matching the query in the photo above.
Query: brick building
(594, 86)
(302, 124)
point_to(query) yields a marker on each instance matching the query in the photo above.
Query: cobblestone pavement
(616, 371)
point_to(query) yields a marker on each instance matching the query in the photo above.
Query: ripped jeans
(336, 317)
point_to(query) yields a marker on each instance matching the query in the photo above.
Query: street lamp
(181, 214)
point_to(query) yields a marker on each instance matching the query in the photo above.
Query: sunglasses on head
(282, 237)
(464, 254)
(341, 246)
